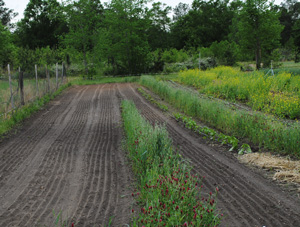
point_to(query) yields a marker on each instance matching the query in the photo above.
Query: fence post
(36, 81)
(48, 80)
(21, 86)
(62, 73)
(10, 86)
(56, 76)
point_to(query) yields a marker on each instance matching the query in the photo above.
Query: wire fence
(18, 88)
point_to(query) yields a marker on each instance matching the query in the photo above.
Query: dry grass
(286, 170)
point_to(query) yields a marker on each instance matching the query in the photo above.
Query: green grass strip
(260, 129)
(167, 192)
(105, 80)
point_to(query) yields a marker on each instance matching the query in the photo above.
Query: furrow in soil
(245, 198)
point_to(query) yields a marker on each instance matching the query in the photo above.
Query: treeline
(134, 37)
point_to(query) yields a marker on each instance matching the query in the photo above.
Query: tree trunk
(258, 54)
(85, 63)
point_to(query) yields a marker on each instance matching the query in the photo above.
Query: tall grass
(12, 119)
(167, 192)
(260, 129)
(278, 95)
(105, 80)
(30, 92)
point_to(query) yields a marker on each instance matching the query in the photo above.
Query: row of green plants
(152, 100)
(258, 128)
(278, 94)
(213, 134)
(26, 111)
(167, 193)
(203, 131)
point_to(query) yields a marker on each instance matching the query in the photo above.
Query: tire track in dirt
(244, 196)
(81, 171)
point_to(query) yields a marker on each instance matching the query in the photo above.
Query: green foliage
(260, 129)
(84, 17)
(258, 28)
(6, 15)
(192, 125)
(157, 33)
(105, 80)
(7, 48)
(205, 23)
(167, 191)
(225, 52)
(42, 24)
(152, 100)
(245, 149)
(278, 95)
(122, 39)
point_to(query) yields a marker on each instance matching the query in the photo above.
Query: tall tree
(7, 47)
(159, 29)
(180, 10)
(205, 23)
(42, 24)
(123, 39)
(296, 35)
(6, 15)
(259, 28)
(84, 20)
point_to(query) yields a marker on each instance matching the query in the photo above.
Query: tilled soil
(246, 198)
(68, 158)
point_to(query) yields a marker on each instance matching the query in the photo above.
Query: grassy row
(24, 112)
(152, 100)
(105, 80)
(167, 193)
(279, 94)
(192, 125)
(258, 128)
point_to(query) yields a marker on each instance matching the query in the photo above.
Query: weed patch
(260, 129)
(168, 194)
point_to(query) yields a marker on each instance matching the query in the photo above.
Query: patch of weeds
(212, 134)
(167, 193)
(245, 149)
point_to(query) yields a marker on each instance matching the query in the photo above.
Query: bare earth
(68, 158)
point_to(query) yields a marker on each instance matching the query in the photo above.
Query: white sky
(20, 5)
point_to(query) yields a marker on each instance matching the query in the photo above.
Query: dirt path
(246, 198)
(68, 158)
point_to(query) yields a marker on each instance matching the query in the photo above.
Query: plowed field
(68, 158)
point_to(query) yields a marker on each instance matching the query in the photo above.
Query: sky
(19, 5)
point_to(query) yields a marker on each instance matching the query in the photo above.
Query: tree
(42, 25)
(180, 11)
(7, 48)
(289, 18)
(159, 28)
(6, 15)
(84, 20)
(296, 35)
(123, 38)
(205, 23)
(259, 28)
